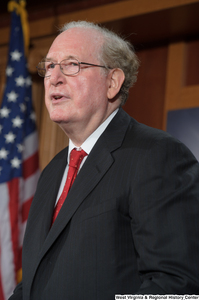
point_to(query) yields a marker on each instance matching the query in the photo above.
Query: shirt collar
(92, 139)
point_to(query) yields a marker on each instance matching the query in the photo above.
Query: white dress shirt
(86, 146)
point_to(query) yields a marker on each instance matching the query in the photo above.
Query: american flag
(19, 169)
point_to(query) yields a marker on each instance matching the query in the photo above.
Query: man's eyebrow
(67, 57)
(72, 57)
(48, 58)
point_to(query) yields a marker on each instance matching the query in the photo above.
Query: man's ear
(116, 79)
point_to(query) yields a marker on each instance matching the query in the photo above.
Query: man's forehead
(79, 33)
(76, 41)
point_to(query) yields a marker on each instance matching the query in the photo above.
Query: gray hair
(115, 53)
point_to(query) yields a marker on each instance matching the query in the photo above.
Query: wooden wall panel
(192, 66)
(146, 98)
(179, 95)
(110, 12)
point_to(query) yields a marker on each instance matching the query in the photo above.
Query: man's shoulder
(134, 133)
(141, 131)
(137, 127)
(140, 135)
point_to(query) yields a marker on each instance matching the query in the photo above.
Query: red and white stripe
(15, 200)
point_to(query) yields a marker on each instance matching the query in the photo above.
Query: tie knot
(76, 158)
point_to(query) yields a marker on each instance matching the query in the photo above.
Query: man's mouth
(57, 97)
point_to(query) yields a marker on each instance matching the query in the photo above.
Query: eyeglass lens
(67, 66)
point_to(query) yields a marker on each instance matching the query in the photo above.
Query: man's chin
(57, 118)
(59, 121)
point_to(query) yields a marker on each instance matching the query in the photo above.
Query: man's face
(77, 102)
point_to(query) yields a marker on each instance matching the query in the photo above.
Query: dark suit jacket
(129, 224)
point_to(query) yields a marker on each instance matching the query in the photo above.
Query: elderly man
(129, 223)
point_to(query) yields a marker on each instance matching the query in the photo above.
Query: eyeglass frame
(78, 62)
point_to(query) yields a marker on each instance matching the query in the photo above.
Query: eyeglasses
(67, 67)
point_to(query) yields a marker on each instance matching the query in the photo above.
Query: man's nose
(56, 75)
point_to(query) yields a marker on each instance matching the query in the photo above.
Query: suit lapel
(97, 164)
(44, 200)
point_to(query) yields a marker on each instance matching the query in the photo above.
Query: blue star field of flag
(17, 119)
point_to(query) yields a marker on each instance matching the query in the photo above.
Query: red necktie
(76, 158)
